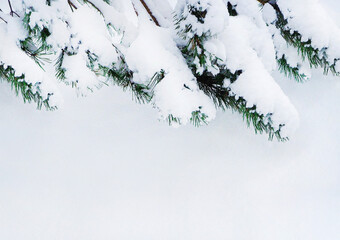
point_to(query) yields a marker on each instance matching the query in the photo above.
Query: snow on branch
(190, 61)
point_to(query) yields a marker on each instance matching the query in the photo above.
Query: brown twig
(150, 13)
(263, 2)
(3, 19)
(12, 12)
(94, 6)
(71, 4)
(135, 9)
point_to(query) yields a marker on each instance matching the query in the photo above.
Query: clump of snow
(255, 84)
(311, 20)
(176, 94)
(12, 55)
(125, 30)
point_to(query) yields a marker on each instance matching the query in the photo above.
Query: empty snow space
(103, 168)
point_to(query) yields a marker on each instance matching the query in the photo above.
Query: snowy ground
(104, 168)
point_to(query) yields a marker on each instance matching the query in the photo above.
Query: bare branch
(94, 6)
(71, 4)
(150, 13)
(3, 19)
(1, 12)
(12, 12)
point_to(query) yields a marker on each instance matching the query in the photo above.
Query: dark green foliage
(123, 78)
(232, 9)
(195, 50)
(194, 47)
(28, 91)
(39, 54)
(213, 84)
(35, 45)
(120, 75)
(289, 71)
(41, 34)
(171, 119)
(315, 57)
(198, 118)
(224, 99)
(211, 73)
(60, 71)
(198, 13)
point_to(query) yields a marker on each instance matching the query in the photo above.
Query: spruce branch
(60, 71)
(28, 91)
(198, 118)
(201, 62)
(316, 57)
(35, 45)
(171, 119)
(289, 71)
(224, 99)
(119, 74)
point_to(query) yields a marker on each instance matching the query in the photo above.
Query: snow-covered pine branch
(187, 58)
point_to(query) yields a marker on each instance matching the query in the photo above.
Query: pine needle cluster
(212, 84)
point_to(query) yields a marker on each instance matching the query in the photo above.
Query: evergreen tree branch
(201, 62)
(35, 45)
(289, 71)
(223, 98)
(28, 91)
(316, 57)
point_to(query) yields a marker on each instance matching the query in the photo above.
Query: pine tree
(187, 61)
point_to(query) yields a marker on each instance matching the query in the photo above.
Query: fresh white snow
(103, 167)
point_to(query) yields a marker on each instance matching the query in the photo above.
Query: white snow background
(103, 167)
